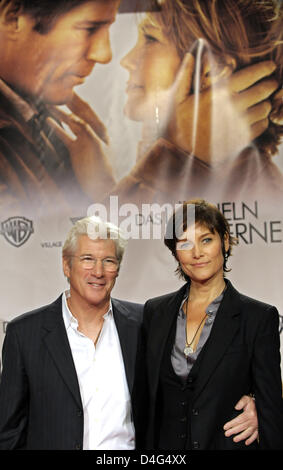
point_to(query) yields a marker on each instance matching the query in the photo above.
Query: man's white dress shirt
(103, 384)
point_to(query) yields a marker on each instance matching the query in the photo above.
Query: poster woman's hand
(89, 162)
(220, 121)
(276, 115)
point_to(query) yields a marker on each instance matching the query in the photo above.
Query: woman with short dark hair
(205, 346)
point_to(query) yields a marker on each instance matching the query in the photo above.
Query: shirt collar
(68, 317)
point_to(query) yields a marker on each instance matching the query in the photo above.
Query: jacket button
(79, 413)
(195, 445)
(78, 446)
(195, 412)
(183, 419)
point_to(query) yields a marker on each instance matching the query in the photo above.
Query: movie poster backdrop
(177, 128)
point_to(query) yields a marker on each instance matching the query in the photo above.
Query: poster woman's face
(152, 65)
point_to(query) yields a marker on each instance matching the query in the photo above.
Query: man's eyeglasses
(109, 265)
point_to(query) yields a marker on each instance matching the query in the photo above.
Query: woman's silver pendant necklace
(189, 348)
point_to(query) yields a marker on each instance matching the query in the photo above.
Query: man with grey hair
(68, 367)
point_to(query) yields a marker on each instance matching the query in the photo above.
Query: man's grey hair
(94, 228)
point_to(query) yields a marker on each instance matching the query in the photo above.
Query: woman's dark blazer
(241, 356)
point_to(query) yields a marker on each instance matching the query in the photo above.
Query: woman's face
(152, 65)
(199, 253)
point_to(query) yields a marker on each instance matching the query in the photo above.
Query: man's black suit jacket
(40, 402)
(241, 356)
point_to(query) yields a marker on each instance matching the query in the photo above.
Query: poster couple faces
(200, 85)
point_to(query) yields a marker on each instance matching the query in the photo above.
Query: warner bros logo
(17, 230)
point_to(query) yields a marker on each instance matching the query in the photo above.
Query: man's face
(91, 287)
(49, 66)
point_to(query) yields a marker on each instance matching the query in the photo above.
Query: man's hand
(244, 426)
(89, 163)
(218, 122)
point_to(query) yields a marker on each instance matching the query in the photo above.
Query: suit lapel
(128, 335)
(56, 341)
(161, 324)
(224, 329)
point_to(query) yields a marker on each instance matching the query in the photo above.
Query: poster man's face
(152, 64)
(51, 65)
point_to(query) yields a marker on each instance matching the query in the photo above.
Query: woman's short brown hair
(205, 214)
